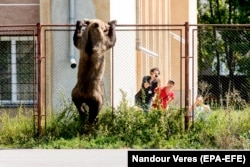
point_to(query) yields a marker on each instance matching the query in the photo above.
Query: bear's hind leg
(80, 110)
(94, 108)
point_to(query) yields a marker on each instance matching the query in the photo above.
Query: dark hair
(171, 81)
(155, 69)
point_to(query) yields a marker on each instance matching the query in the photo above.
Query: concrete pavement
(63, 158)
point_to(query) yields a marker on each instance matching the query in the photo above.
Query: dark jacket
(145, 95)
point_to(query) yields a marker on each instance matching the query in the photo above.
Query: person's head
(155, 72)
(199, 99)
(170, 83)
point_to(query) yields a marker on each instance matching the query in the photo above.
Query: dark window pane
(5, 70)
(25, 69)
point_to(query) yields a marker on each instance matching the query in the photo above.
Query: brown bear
(93, 42)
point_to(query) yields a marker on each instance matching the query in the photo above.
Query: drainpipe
(71, 46)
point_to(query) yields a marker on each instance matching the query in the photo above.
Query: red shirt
(164, 97)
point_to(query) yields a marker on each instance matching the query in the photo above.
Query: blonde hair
(199, 99)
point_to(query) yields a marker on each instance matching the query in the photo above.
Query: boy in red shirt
(164, 95)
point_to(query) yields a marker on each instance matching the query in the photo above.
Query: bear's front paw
(112, 23)
(78, 24)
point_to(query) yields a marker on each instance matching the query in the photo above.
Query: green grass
(128, 127)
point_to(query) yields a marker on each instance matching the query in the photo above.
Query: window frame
(14, 101)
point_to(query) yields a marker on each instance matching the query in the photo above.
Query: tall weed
(16, 130)
(64, 123)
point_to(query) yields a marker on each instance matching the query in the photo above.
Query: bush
(137, 128)
(128, 127)
(140, 128)
(223, 130)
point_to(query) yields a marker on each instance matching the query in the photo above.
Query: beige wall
(45, 18)
(45, 12)
(102, 9)
(178, 15)
(178, 11)
(167, 43)
(153, 12)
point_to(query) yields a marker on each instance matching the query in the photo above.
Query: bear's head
(99, 36)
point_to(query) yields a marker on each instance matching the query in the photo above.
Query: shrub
(136, 127)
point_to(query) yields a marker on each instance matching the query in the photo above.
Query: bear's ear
(96, 25)
(87, 21)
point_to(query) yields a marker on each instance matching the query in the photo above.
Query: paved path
(63, 158)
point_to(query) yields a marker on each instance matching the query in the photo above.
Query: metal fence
(36, 69)
(18, 70)
(223, 64)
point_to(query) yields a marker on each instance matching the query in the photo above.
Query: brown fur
(93, 42)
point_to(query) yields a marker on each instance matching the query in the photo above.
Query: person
(163, 96)
(143, 97)
(199, 110)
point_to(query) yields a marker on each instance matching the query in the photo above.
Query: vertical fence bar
(186, 74)
(45, 78)
(193, 74)
(34, 78)
(39, 112)
(112, 84)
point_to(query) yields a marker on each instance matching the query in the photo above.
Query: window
(17, 71)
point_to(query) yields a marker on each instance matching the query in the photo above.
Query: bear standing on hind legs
(93, 42)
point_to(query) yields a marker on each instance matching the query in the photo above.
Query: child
(199, 109)
(163, 96)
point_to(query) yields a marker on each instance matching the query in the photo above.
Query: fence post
(186, 75)
(39, 84)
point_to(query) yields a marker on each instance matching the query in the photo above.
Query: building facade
(126, 64)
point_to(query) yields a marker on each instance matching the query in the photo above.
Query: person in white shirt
(199, 109)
